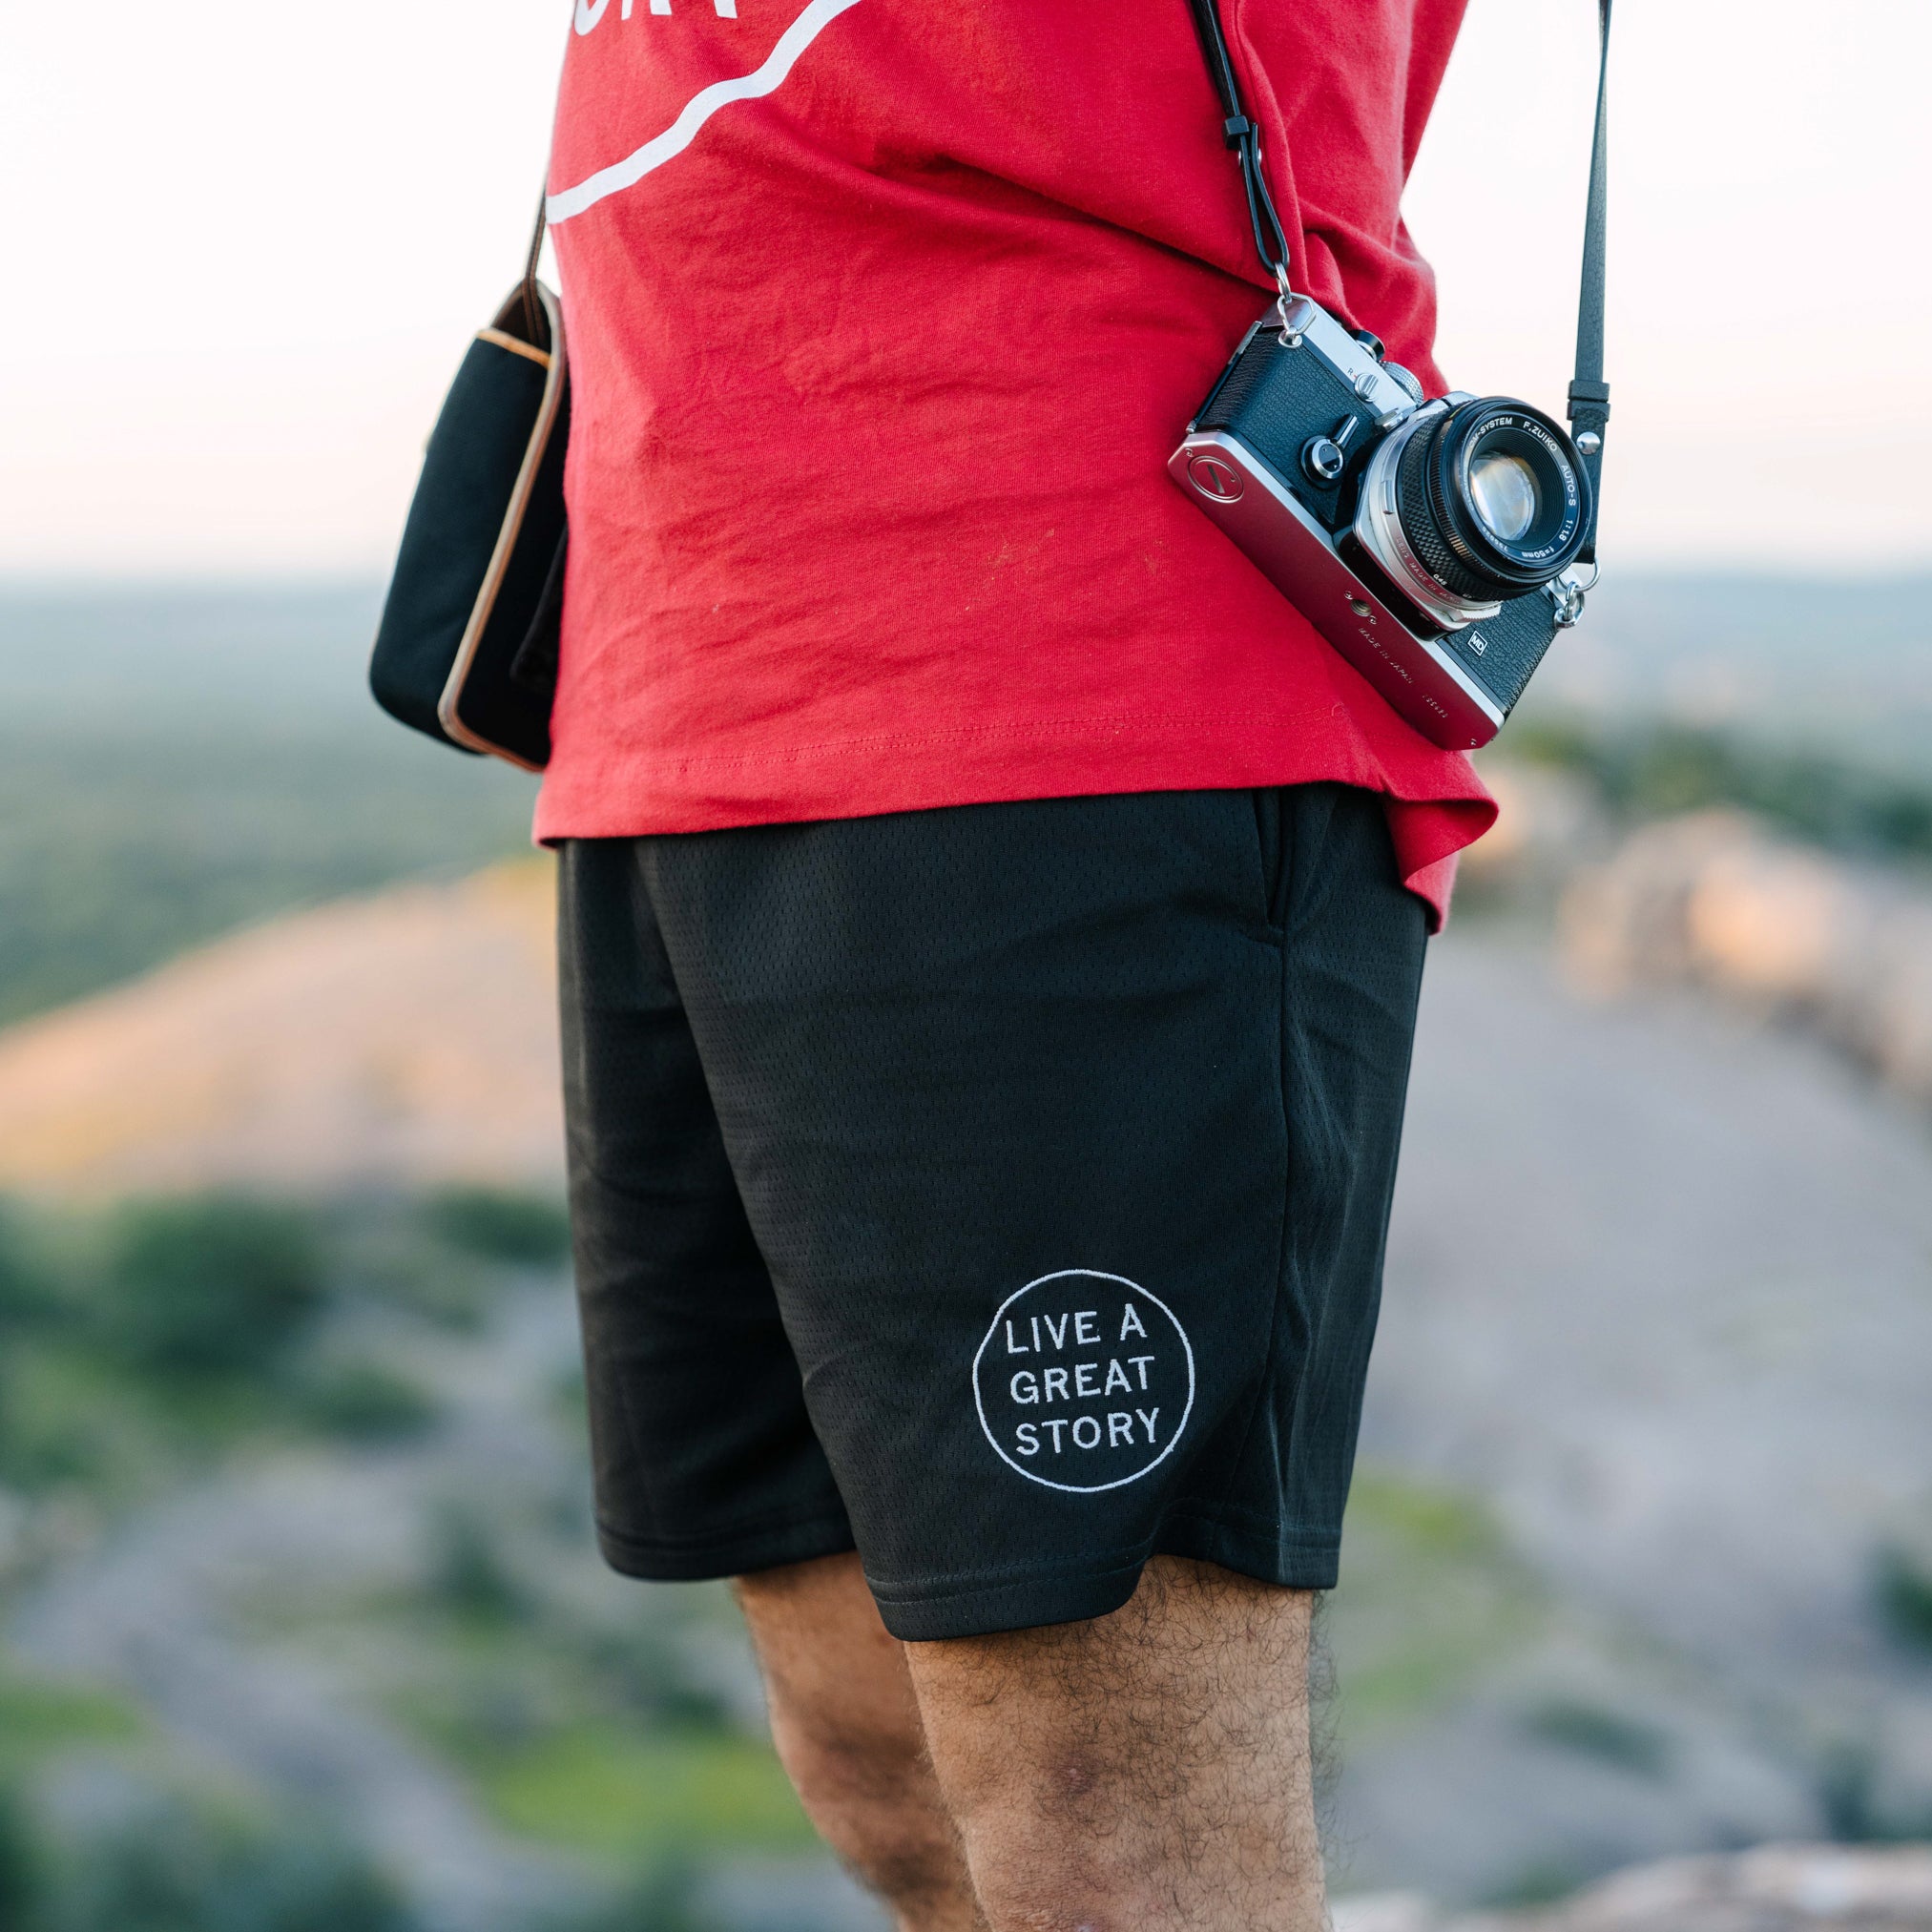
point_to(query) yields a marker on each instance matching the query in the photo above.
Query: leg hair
(1148, 1769)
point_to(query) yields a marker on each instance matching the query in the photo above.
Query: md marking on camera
(1084, 1381)
(1431, 542)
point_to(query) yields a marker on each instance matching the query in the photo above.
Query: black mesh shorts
(1000, 1189)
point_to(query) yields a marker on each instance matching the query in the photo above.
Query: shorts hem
(965, 1608)
(731, 1553)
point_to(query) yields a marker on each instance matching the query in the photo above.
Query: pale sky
(247, 246)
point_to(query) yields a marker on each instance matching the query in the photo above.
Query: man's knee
(868, 1788)
(836, 1753)
(1147, 1767)
(847, 1730)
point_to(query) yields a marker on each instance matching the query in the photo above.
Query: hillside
(398, 1040)
(176, 764)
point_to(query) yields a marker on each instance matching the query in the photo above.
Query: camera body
(1429, 541)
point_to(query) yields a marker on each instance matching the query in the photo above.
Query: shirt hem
(1437, 807)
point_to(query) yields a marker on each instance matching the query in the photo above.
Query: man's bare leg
(848, 1732)
(1144, 1770)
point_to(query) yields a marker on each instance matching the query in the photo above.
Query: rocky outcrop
(1775, 1888)
(1714, 897)
(402, 1039)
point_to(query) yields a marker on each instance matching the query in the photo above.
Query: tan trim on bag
(447, 711)
(504, 340)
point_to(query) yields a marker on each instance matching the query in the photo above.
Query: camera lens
(1492, 499)
(1504, 491)
(1467, 505)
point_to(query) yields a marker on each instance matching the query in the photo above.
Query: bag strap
(1588, 392)
(536, 327)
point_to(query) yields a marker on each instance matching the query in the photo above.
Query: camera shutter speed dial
(1406, 383)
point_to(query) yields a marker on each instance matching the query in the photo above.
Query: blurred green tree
(363, 1401)
(665, 1897)
(470, 1576)
(21, 1894)
(215, 1285)
(1904, 1588)
(169, 1867)
(1649, 769)
(27, 1293)
(496, 1225)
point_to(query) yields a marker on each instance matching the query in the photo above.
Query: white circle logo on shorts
(1085, 1381)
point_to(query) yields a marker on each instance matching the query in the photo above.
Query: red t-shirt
(884, 319)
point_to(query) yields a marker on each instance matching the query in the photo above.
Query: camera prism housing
(1430, 542)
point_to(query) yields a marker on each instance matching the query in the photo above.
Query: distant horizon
(1836, 655)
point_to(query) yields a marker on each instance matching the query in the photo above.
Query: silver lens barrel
(1379, 529)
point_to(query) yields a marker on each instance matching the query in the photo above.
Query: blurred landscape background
(301, 1622)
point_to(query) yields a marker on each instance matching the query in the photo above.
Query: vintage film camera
(1432, 543)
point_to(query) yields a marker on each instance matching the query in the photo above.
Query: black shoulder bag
(467, 650)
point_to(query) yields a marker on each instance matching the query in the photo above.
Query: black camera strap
(1588, 392)
(1244, 140)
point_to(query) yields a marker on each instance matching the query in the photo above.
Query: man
(992, 917)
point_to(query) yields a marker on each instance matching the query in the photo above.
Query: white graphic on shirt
(697, 110)
(1085, 1382)
(589, 16)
